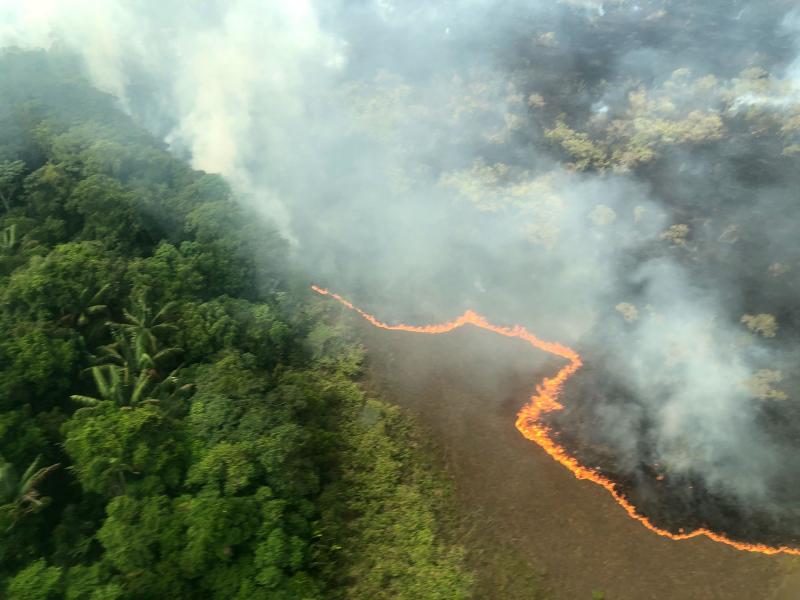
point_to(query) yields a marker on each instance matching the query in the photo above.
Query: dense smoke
(617, 175)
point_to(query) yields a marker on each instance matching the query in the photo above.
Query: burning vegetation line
(545, 400)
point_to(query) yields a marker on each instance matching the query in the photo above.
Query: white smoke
(386, 158)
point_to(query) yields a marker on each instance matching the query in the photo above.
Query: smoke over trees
(621, 175)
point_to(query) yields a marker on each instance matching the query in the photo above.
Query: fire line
(545, 400)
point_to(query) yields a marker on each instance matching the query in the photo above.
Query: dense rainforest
(179, 417)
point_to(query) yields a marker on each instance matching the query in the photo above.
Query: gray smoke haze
(617, 175)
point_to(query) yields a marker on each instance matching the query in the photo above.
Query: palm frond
(87, 400)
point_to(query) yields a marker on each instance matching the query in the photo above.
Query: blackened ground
(466, 388)
(672, 502)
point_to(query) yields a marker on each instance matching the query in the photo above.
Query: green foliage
(107, 210)
(8, 239)
(19, 495)
(223, 323)
(21, 437)
(56, 286)
(392, 546)
(133, 371)
(37, 364)
(10, 181)
(46, 191)
(211, 439)
(37, 581)
(141, 538)
(91, 583)
(168, 274)
(114, 451)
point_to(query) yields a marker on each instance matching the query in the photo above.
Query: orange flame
(545, 400)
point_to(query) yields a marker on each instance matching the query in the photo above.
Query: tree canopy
(178, 417)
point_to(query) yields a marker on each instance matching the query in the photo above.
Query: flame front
(545, 400)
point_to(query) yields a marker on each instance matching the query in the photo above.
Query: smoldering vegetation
(621, 176)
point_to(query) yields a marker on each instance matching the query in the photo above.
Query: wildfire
(545, 400)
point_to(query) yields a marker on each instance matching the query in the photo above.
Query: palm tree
(131, 376)
(115, 384)
(89, 306)
(18, 495)
(144, 328)
(87, 314)
(129, 373)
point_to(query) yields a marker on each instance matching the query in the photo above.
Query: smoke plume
(620, 175)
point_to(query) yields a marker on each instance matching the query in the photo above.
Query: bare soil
(465, 388)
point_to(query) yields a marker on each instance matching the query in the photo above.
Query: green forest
(180, 417)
